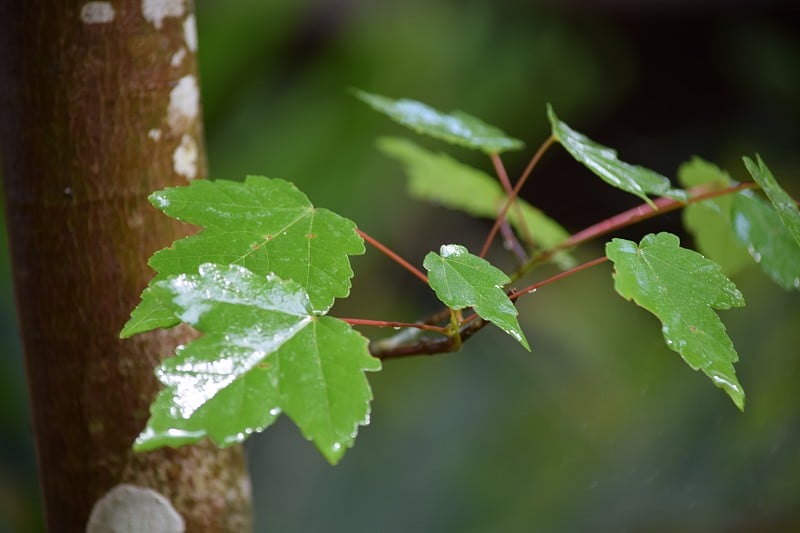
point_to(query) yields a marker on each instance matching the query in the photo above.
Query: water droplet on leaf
(452, 250)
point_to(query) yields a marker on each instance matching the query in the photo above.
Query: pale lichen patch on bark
(128, 508)
(155, 134)
(190, 33)
(184, 104)
(178, 57)
(155, 11)
(184, 159)
(97, 12)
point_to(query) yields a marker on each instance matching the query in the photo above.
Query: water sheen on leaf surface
(784, 205)
(737, 229)
(682, 288)
(456, 128)
(759, 228)
(603, 161)
(266, 225)
(461, 279)
(264, 351)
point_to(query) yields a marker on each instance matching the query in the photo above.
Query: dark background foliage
(601, 427)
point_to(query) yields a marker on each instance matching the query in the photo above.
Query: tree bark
(98, 108)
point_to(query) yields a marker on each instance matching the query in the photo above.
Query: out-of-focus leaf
(759, 228)
(438, 178)
(265, 351)
(461, 279)
(682, 288)
(266, 225)
(784, 205)
(457, 127)
(730, 227)
(710, 220)
(604, 163)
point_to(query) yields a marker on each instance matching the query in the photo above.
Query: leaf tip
(551, 116)
(159, 199)
(355, 92)
(371, 99)
(649, 202)
(731, 386)
(523, 341)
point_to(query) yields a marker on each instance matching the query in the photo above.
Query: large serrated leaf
(709, 221)
(264, 351)
(266, 225)
(461, 279)
(438, 178)
(784, 205)
(682, 288)
(457, 127)
(604, 163)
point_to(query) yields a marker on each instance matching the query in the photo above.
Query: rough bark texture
(98, 108)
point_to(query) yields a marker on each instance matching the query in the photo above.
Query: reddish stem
(624, 219)
(635, 215)
(392, 324)
(394, 256)
(515, 192)
(645, 211)
(473, 323)
(516, 294)
(502, 175)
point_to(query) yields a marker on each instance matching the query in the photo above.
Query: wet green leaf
(438, 178)
(710, 221)
(266, 225)
(457, 127)
(461, 279)
(682, 288)
(759, 228)
(604, 163)
(734, 228)
(784, 205)
(264, 351)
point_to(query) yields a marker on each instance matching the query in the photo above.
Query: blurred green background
(601, 427)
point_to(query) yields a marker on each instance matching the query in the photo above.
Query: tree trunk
(98, 108)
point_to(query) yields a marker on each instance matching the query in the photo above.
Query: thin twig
(390, 348)
(515, 192)
(509, 239)
(512, 244)
(394, 256)
(387, 349)
(392, 324)
(632, 216)
(531, 288)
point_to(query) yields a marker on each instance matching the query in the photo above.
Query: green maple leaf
(729, 227)
(759, 228)
(264, 351)
(784, 205)
(440, 179)
(604, 163)
(710, 220)
(457, 127)
(461, 279)
(266, 225)
(682, 288)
